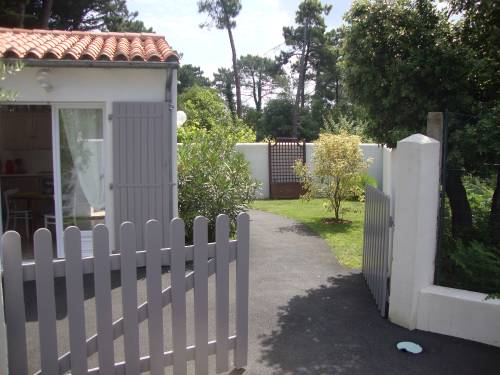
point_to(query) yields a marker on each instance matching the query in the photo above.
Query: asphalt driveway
(308, 316)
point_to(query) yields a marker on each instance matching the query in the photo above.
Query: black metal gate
(283, 181)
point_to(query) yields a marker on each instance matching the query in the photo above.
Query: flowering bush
(337, 170)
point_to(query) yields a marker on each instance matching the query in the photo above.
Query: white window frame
(56, 161)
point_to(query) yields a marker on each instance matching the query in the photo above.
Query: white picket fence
(208, 259)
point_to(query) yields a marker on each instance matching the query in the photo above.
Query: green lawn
(345, 240)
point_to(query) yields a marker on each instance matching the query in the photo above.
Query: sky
(258, 28)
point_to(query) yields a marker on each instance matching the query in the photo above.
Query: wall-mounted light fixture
(43, 77)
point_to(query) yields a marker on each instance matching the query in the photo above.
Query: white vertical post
(416, 185)
(178, 268)
(242, 283)
(3, 332)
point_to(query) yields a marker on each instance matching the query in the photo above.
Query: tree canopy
(206, 111)
(262, 76)
(222, 14)
(189, 76)
(305, 41)
(224, 84)
(104, 15)
(400, 62)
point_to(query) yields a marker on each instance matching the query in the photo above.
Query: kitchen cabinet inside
(25, 128)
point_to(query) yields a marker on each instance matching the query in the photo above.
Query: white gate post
(416, 187)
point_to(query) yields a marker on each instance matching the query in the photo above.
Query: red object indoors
(9, 167)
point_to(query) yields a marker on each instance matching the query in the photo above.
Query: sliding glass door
(79, 171)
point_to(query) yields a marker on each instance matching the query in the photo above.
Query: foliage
(478, 31)
(213, 179)
(473, 266)
(345, 239)
(336, 172)
(345, 125)
(104, 15)
(306, 40)
(401, 60)
(6, 70)
(224, 83)
(276, 120)
(206, 112)
(222, 14)
(404, 59)
(479, 193)
(261, 75)
(251, 117)
(189, 76)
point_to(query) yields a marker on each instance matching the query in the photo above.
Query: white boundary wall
(258, 156)
(412, 180)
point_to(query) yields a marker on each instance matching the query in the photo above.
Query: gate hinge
(391, 222)
(111, 186)
(110, 117)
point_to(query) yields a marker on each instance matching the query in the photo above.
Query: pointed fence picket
(208, 259)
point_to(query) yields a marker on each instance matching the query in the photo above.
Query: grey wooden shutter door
(142, 165)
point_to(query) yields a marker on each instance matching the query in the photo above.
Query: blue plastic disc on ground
(409, 347)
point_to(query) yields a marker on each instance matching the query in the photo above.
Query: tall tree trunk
(303, 90)
(21, 13)
(495, 213)
(258, 105)
(461, 214)
(300, 87)
(236, 72)
(254, 93)
(46, 12)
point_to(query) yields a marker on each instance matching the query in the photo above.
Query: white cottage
(90, 137)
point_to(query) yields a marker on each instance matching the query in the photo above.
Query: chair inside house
(15, 213)
(69, 218)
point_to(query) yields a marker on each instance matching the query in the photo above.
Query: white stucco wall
(258, 157)
(459, 313)
(101, 86)
(89, 85)
(411, 177)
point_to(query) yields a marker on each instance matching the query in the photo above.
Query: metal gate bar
(376, 250)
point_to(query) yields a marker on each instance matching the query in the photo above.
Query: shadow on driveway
(335, 329)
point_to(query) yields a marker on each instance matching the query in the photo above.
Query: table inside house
(39, 204)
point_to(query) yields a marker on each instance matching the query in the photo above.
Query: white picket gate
(208, 259)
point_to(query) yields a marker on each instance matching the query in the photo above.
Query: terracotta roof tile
(82, 45)
(109, 48)
(122, 49)
(77, 49)
(93, 49)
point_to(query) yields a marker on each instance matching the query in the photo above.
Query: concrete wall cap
(418, 138)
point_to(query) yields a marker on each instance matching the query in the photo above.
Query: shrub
(206, 111)
(472, 266)
(337, 169)
(213, 179)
